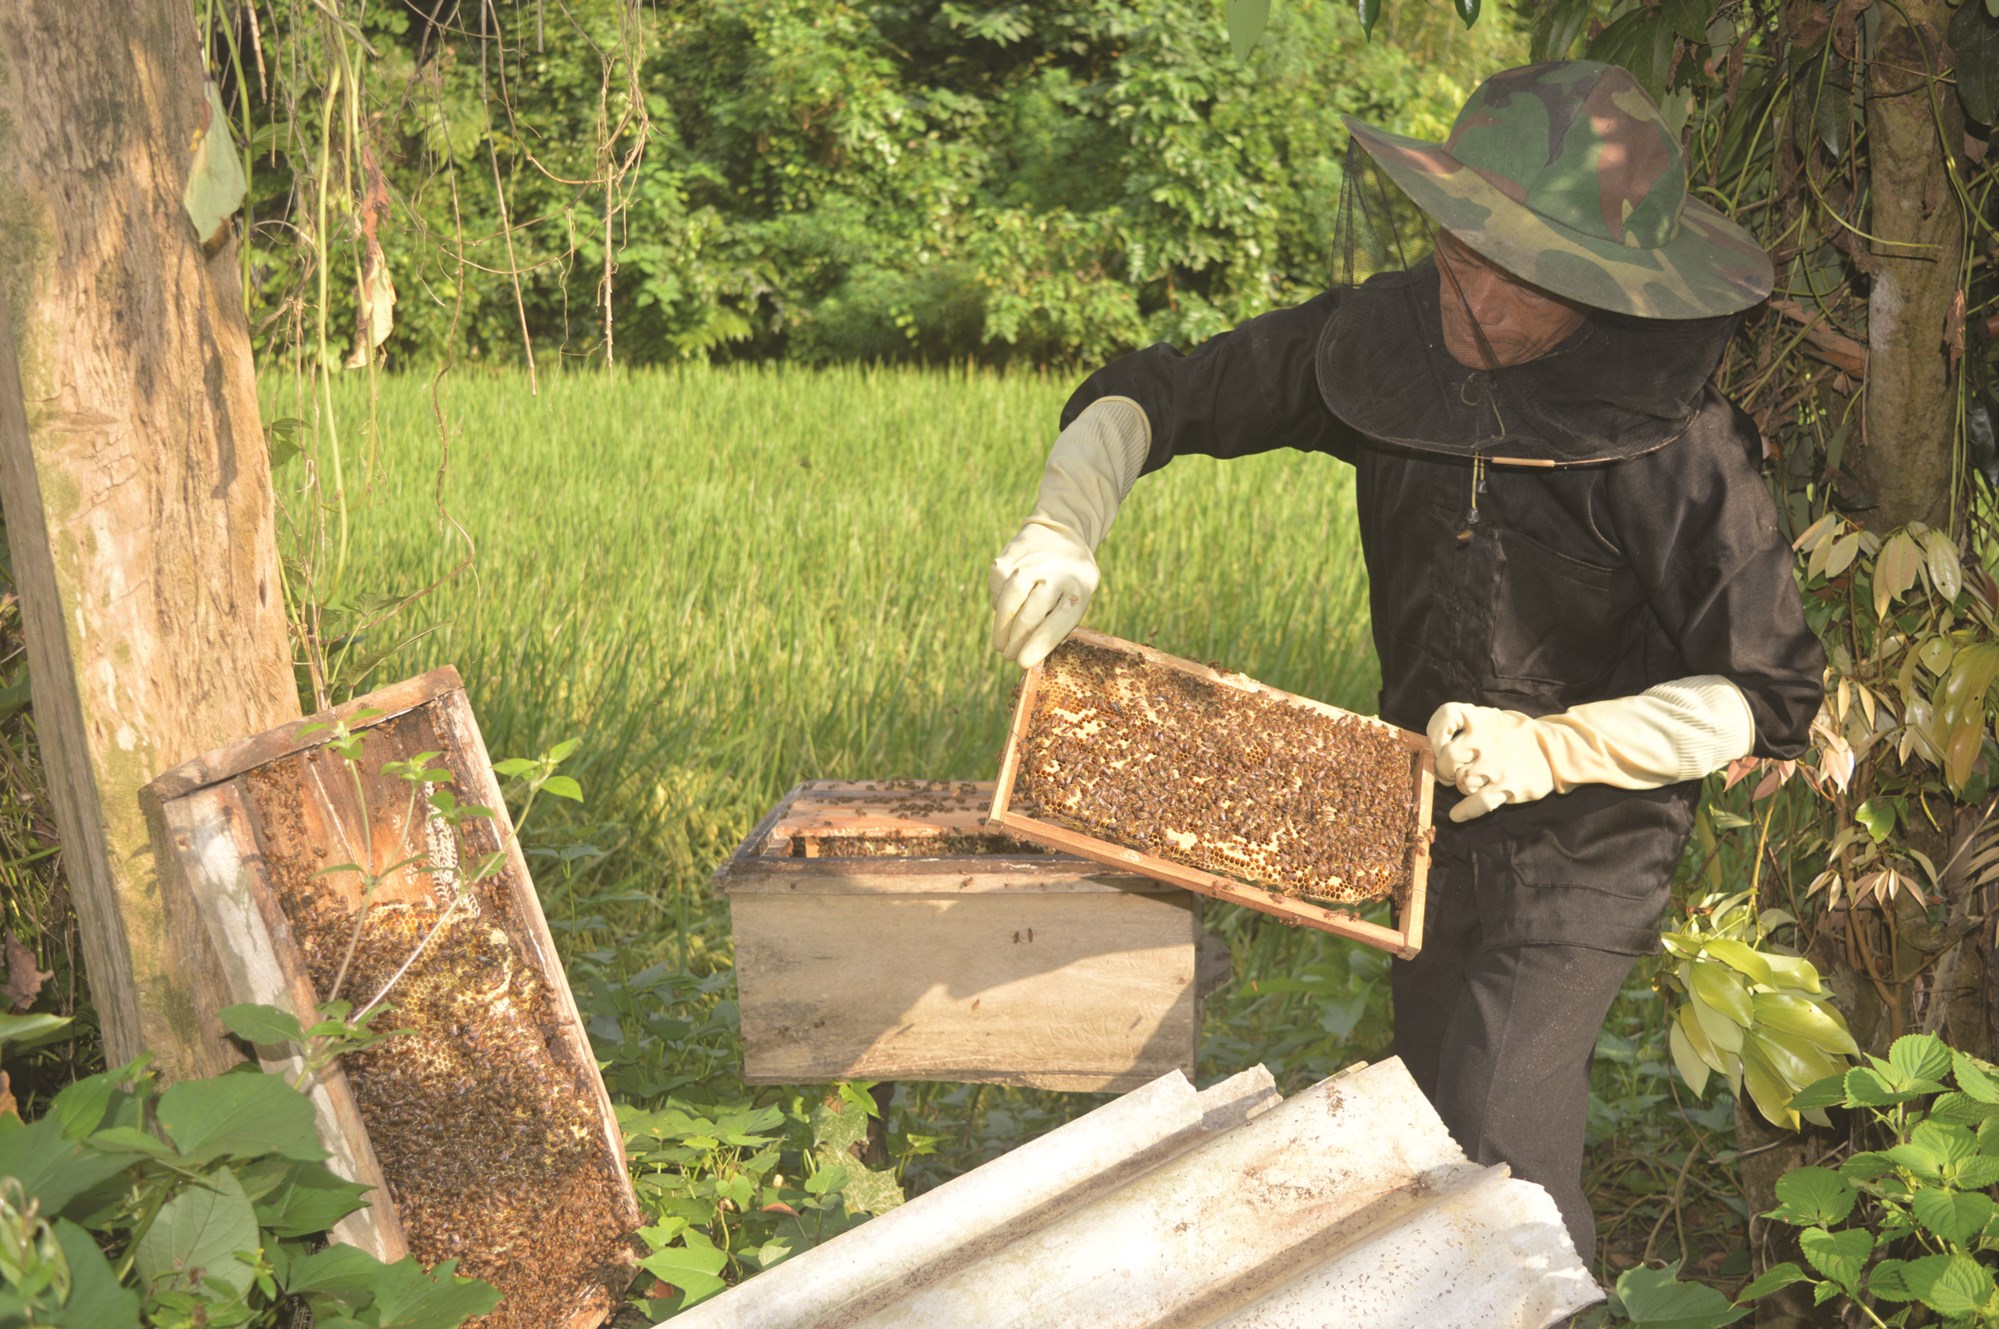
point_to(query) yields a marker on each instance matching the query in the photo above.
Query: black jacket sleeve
(1700, 530)
(1248, 390)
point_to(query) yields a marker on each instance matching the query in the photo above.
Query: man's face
(1518, 321)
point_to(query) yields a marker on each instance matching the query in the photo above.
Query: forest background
(674, 370)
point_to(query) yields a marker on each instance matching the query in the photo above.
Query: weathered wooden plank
(1066, 992)
(942, 877)
(213, 834)
(136, 485)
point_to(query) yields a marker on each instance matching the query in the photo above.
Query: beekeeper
(1579, 587)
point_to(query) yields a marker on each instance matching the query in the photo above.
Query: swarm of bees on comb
(490, 1146)
(1239, 783)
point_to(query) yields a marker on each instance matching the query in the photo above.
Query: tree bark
(1919, 246)
(135, 481)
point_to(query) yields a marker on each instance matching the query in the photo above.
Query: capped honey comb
(1231, 779)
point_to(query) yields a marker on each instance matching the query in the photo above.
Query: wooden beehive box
(884, 932)
(485, 1130)
(1213, 782)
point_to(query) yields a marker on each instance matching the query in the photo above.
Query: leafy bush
(1751, 1014)
(199, 1204)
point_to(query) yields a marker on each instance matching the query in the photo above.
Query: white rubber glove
(1676, 731)
(1043, 580)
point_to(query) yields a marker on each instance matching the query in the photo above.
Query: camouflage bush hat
(1565, 175)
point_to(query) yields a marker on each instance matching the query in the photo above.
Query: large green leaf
(1974, 40)
(1838, 1255)
(200, 1235)
(1246, 22)
(297, 1199)
(1949, 1284)
(26, 1031)
(1793, 1013)
(408, 1297)
(1658, 1299)
(96, 1298)
(1642, 42)
(1691, 1068)
(239, 1115)
(1741, 957)
(1813, 1197)
(54, 1171)
(1720, 988)
(1921, 1057)
(1773, 1279)
(1974, 1079)
(1952, 1215)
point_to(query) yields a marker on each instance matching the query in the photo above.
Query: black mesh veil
(1616, 387)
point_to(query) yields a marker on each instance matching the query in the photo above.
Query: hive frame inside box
(1404, 940)
(1083, 1001)
(219, 851)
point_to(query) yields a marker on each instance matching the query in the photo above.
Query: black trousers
(1499, 1039)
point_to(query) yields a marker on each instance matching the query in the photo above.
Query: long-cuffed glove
(1675, 731)
(1042, 581)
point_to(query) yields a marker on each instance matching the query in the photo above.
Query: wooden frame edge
(1404, 940)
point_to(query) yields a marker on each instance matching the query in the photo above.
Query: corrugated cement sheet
(1346, 1206)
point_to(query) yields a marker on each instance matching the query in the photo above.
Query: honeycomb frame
(1130, 824)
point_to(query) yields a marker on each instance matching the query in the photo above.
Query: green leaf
(1921, 1057)
(1467, 10)
(1692, 1069)
(239, 1115)
(96, 1300)
(302, 1198)
(1775, 1278)
(1766, 1088)
(1978, 1173)
(693, 1268)
(1657, 1297)
(563, 787)
(1718, 986)
(1954, 1216)
(562, 751)
(201, 1230)
(1813, 1197)
(261, 1024)
(1949, 1284)
(1687, 18)
(1877, 815)
(1948, 1141)
(1741, 957)
(1924, 1163)
(409, 1297)
(1793, 971)
(26, 1031)
(1246, 21)
(1792, 1013)
(1886, 1281)
(1838, 1255)
(1962, 1109)
(1369, 10)
(1974, 39)
(54, 1171)
(215, 181)
(1829, 1092)
(1866, 1088)
(514, 766)
(1866, 1165)
(1974, 1079)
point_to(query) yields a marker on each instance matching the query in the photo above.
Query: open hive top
(1219, 774)
(887, 819)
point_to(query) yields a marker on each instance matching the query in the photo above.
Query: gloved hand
(1043, 580)
(1675, 731)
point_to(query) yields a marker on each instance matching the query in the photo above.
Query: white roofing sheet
(1345, 1205)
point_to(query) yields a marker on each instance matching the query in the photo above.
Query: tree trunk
(135, 481)
(1919, 245)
